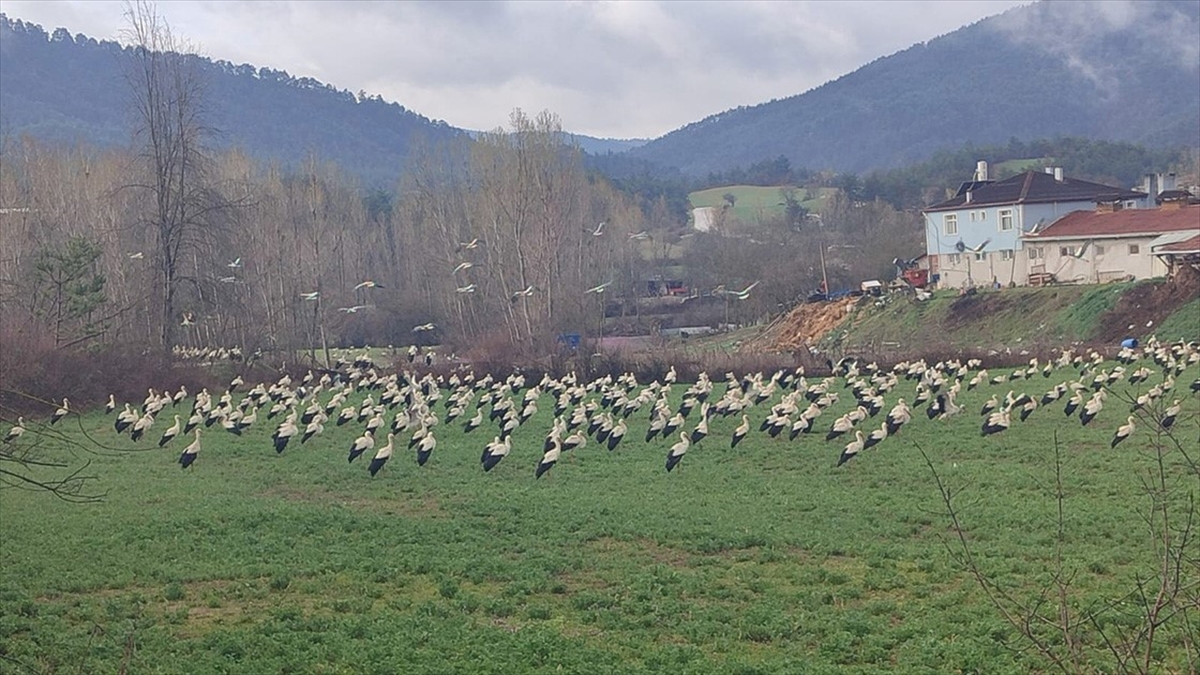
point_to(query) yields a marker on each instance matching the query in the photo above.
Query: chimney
(1058, 174)
(1150, 187)
(968, 197)
(1167, 181)
(981, 170)
(1049, 170)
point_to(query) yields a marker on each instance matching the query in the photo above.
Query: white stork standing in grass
(141, 426)
(171, 432)
(314, 428)
(876, 437)
(1123, 432)
(495, 451)
(1092, 408)
(803, 424)
(852, 448)
(125, 418)
(190, 452)
(15, 432)
(898, 416)
(111, 405)
(740, 432)
(840, 426)
(381, 456)
(1073, 403)
(425, 448)
(996, 422)
(284, 433)
(678, 450)
(617, 433)
(700, 432)
(61, 412)
(1170, 414)
(575, 440)
(548, 459)
(361, 445)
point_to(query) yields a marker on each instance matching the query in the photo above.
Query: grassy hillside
(1022, 318)
(754, 203)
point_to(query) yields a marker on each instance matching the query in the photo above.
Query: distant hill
(1129, 72)
(62, 88)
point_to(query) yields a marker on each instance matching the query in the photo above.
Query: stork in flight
(367, 284)
(352, 310)
(311, 296)
(742, 294)
(527, 293)
(599, 289)
(463, 266)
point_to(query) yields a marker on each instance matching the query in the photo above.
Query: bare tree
(168, 101)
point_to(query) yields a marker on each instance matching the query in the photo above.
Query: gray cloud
(1076, 33)
(620, 69)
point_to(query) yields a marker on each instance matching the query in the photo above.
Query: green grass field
(754, 203)
(763, 559)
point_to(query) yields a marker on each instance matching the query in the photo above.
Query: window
(950, 223)
(1006, 220)
(982, 216)
(1036, 252)
(980, 256)
(1099, 250)
(953, 259)
(1133, 249)
(973, 216)
(1065, 251)
(1006, 254)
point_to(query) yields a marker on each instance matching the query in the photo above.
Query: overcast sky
(609, 69)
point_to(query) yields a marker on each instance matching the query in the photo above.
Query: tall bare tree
(168, 101)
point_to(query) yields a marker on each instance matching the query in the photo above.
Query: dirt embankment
(1149, 302)
(805, 325)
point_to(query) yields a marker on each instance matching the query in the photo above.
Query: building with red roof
(1110, 243)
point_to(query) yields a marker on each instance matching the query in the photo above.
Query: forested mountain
(60, 87)
(1116, 71)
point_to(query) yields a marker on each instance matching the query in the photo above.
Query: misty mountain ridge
(64, 88)
(1125, 71)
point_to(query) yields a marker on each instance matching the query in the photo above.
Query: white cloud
(619, 69)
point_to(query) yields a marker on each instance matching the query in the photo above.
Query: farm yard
(777, 555)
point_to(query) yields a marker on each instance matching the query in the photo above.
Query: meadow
(756, 203)
(766, 558)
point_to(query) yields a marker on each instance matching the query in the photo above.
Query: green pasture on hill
(754, 203)
(762, 559)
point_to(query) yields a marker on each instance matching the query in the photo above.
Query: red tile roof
(1087, 224)
(1186, 246)
(1032, 187)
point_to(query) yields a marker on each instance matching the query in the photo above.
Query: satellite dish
(960, 247)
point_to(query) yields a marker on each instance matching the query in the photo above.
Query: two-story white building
(975, 237)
